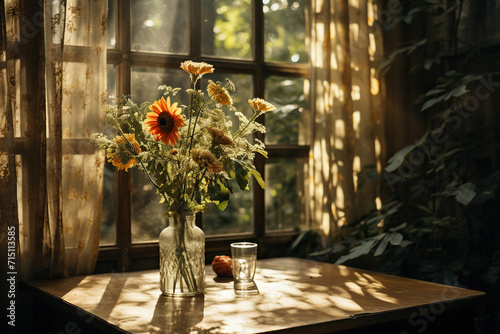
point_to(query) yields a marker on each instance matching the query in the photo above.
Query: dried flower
(219, 93)
(164, 121)
(114, 156)
(259, 104)
(219, 137)
(205, 159)
(197, 69)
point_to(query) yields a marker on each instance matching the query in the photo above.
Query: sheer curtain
(52, 88)
(348, 139)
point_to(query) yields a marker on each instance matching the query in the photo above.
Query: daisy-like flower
(114, 157)
(259, 104)
(164, 121)
(219, 93)
(220, 137)
(205, 159)
(197, 69)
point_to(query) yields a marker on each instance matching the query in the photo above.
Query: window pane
(285, 207)
(237, 217)
(227, 28)
(111, 76)
(285, 30)
(147, 211)
(289, 123)
(108, 218)
(145, 82)
(159, 26)
(111, 24)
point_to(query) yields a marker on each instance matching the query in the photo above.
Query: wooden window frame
(123, 255)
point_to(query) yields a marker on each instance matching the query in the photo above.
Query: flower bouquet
(190, 153)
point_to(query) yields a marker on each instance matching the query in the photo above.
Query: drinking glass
(244, 260)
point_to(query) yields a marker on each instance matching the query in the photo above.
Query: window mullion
(259, 89)
(195, 30)
(124, 202)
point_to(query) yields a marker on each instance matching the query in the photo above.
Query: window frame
(122, 255)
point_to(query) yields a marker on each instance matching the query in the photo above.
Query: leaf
(455, 92)
(362, 249)
(431, 102)
(222, 205)
(381, 246)
(435, 91)
(405, 243)
(386, 63)
(465, 193)
(398, 158)
(258, 178)
(219, 193)
(261, 151)
(395, 239)
(397, 228)
(242, 175)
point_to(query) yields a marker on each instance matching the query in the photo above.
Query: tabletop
(294, 293)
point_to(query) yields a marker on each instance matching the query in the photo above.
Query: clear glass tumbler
(244, 261)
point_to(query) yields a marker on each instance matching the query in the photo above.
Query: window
(262, 46)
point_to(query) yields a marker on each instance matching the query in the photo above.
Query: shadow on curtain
(348, 119)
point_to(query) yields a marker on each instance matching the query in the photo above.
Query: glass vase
(182, 256)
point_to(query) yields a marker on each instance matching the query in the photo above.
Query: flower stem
(142, 164)
(184, 269)
(196, 120)
(198, 183)
(240, 132)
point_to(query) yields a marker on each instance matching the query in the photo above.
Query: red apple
(222, 266)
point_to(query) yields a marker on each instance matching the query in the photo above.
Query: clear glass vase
(182, 256)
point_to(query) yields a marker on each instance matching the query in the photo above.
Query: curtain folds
(347, 139)
(53, 87)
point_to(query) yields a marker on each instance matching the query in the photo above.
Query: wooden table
(296, 296)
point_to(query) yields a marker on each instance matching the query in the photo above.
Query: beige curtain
(52, 85)
(347, 139)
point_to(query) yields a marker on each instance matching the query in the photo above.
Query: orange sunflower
(164, 121)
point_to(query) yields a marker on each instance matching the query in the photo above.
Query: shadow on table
(177, 314)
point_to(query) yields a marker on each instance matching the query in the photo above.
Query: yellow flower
(219, 94)
(114, 157)
(205, 159)
(261, 105)
(164, 121)
(197, 69)
(219, 137)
